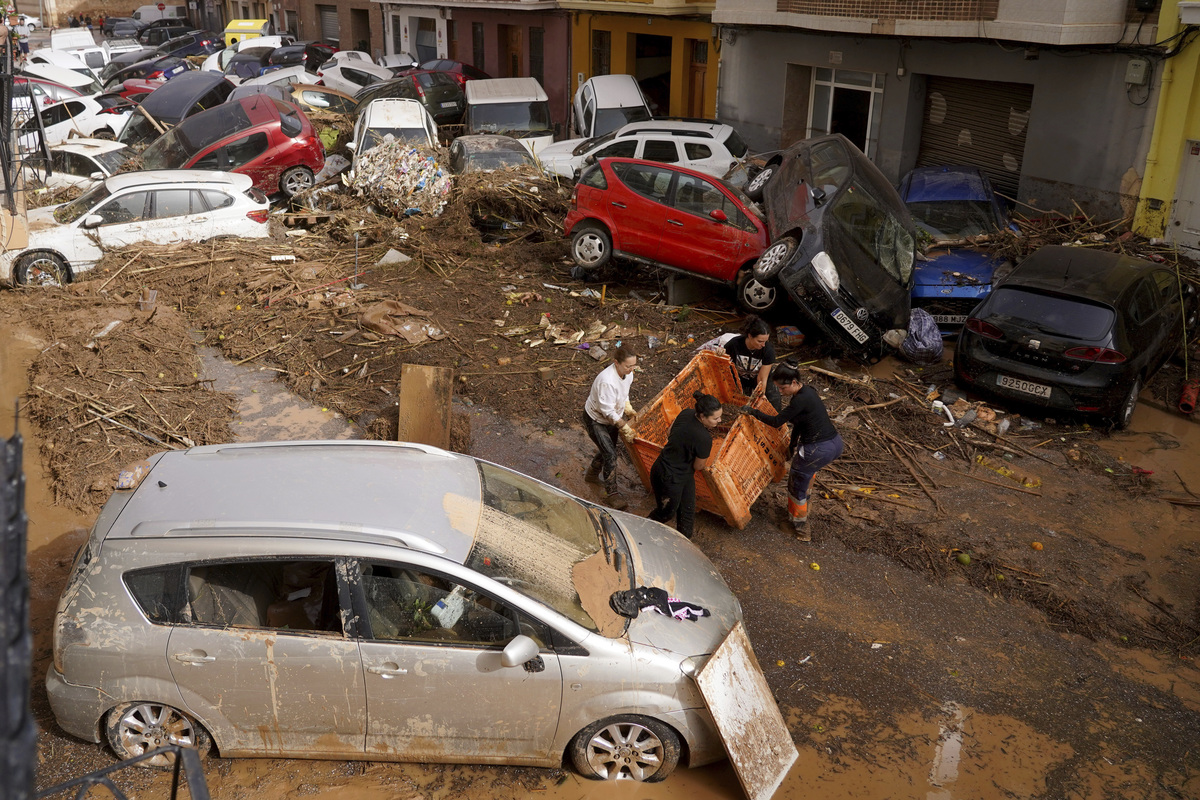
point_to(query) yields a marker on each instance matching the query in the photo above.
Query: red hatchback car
(672, 217)
(267, 139)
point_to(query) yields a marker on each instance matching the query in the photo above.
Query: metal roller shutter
(980, 123)
(328, 17)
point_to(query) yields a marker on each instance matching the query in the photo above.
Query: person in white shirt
(604, 419)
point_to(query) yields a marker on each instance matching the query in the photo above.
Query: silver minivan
(383, 601)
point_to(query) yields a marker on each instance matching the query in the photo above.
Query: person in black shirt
(688, 449)
(753, 355)
(815, 442)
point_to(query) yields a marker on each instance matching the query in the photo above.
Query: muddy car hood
(664, 559)
(42, 224)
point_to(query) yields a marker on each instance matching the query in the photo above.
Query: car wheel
(1125, 413)
(754, 189)
(296, 180)
(42, 269)
(137, 728)
(626, 747)
(755, 296)
(774, 258)
(591, 247)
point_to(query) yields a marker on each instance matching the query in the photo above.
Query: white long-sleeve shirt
(606, 401)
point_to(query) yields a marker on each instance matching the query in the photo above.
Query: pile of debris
(402, 178)
(518, 195)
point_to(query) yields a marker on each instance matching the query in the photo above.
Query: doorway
(360, 28)
(1185, 215)
(847, 102)
(697, 77)
(510, 50)
(652, 69)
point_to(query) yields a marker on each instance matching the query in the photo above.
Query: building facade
(1054, 99)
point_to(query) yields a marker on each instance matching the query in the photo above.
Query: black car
(195, 43)
(1075, 329)
(128, 23)
(122, 60)
(178, 98)
(152, 36)
(249, 62)
(843, 241)
(439, 92)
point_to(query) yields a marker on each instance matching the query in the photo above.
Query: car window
(734, 144)
(594, 177)
(697, 152)
(235, 154)
(124, 209)
(358, 77)
(830, 164)
(158, 592)
(1143, 302)
(58, 162)
(407, 604)
(869, 225)
(173, 203)
(626, 149)
(282, 595)
(1062, 316)
(658, 150)
(218, 95)
(75, 164)
(333, 102)
(215, 199)
(646, 180)
(700, 197)
(1168, 288)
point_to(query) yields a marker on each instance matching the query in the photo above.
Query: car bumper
(840, 320)
(949, 306)
(77, 709)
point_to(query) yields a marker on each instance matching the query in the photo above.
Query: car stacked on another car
(100, 117)
(399, 118)
(1077, 330)
(84, 162)
(441, 95)
(709, 147)
(174, 101)
(461, 72)
(155, 206)
(350, 71)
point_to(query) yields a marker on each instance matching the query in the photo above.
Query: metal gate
(978, 123)
(330, 30)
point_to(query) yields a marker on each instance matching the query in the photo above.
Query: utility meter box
(1137, 71)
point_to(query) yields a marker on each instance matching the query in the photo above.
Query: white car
(83, 162)
(32, 22)
(100, 117)
(606, 102)
(61, 58)
(400, 118)
(218, 61)
(398, 61)
(708, 147)
(152, 206)
(351, 74)
(284, 77)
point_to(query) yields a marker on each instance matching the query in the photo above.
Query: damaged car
(349, 596)
(843, 243)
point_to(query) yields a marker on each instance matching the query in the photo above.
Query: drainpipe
(1170, 115)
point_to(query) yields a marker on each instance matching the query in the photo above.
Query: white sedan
(98, 117)
(152, 206)
(347, 72)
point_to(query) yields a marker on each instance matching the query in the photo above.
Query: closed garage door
(328, 17)
(979, 123)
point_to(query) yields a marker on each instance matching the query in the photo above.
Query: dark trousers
(605, 438)
(773, 395)
(807, 462)
(674, 499)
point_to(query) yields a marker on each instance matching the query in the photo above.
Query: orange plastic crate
(749, 455)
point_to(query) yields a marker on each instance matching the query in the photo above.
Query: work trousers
(605, 438)
(674, 498)
(772, 392)
(808, 460)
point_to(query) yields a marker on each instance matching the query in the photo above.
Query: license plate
(1028, 387)
(858, 333)
(950, 319)
(449, 105)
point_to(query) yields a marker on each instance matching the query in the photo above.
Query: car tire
(755, 296)
(134, 729)
(1125, 412)
(754, 189)
(626, 746)
(775, 258)
(105, 134)
(42, 269)
(296, 180)
(591, 247)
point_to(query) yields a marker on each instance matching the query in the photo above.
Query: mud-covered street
(1061, 672)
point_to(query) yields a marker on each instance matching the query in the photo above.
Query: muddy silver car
(382, 601)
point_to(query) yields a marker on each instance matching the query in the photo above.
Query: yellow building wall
(623, 28)
(1177, 119)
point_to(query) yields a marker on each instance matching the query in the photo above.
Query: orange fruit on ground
(1036, 545)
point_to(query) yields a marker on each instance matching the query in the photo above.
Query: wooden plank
(424, 410)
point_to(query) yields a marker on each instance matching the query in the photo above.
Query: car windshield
(870, 225)
(531, 537)
(373, 137)
(512, 119)
(175, 147)
(498, 159)
(588, 144)
(948, 220)
(609, 119)
(113, 160)
(1052, 314)
(69, 212)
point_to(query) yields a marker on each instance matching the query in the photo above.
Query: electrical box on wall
(1137, 71)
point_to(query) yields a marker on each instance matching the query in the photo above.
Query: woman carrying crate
(815, 442)
(688, 450)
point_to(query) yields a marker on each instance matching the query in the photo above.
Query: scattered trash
(1036, 545)
(394, 318)
(393, 257)
(963, 558)
(789, 336)
(401, 178)
(283, 258)
(147, 299)
(923, 345)
(1028, 481)
(105, 331)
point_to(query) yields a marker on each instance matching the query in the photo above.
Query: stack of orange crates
(749, 454)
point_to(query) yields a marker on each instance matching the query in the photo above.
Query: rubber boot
(593, 474)
(616, 500)
(798, 514)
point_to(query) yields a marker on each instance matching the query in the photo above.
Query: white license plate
(950, 319)
(449, 105)
(1028, 387)
(858, 333)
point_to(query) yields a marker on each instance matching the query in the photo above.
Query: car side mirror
(92, 221)
(96, 176)
(591, 159)
(718, 215)
(520, 650)
(351, 146)
(818, 196)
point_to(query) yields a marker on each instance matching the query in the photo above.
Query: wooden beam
(424, 410)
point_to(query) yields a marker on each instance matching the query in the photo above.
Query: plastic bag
(924, 342)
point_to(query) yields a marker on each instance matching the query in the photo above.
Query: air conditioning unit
(1189, 12)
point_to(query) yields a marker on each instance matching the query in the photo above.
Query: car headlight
(823, 265)
(691, 666)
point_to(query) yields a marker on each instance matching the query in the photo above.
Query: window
(601, 52)
(451, 40)
(333, 102)
(1143, 304)
(696, 152)
(700, 197)
(477, 43)
(1168, 288)
(593, 177)
(158, 592)
(124, 209)
(658, 150)
(646, 180)
(235, 154)
(173, 203)
(622, 149)
(537, 56)
(848, 102)
(215, 199)
(292, 595)
(358, 77)
(397, 34)
(869, 225)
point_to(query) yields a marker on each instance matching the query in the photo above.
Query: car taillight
(987, 329)
(1100, 355)
(156, 75)
(575, 197)
(258, 216)
(206, 43)
(420, 91)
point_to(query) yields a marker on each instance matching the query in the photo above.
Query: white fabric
(610, 392)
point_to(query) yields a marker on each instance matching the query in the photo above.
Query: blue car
(195, 43)
(952, 204)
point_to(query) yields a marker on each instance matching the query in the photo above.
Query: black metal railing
(187, 771)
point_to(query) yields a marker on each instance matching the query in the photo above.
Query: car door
(665, 151)
(1147, 324)
(263, 659)
(124, 219)
(698, 242)
(638, 209)
(236, 155)
(436, 689)
(61, 119)
(179, 215)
